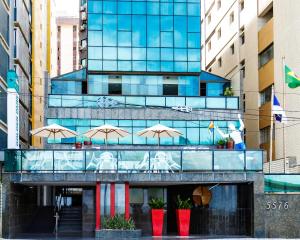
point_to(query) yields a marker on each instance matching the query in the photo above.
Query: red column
(127, 214)
(112, 199)
(98, 209)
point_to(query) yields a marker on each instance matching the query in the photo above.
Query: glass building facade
(193, 132)
(144, 36)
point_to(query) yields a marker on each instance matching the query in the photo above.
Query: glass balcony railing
(132, 161)
(91, 101)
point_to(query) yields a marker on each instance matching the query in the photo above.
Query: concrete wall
(141, 114)
(286, 44)
(282, 220)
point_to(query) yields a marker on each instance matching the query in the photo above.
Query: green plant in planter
(183, 204)
(156, 203)
(221, 142)
(228, 92)
(118, 222)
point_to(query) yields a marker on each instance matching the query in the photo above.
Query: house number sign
(280, 205)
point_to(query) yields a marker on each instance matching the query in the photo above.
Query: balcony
(132, 161)
(92, 101)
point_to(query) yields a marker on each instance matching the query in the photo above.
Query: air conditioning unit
(81, 48)
(292, 161)
(83, 16)
(82, 27)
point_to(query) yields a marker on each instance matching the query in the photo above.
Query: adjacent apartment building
(249, 42)
(42, 39)
(67, 44)
(15, 48)
(142, 68)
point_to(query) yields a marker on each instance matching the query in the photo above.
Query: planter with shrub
(229, 143)
(157, 215)
(228, 92)
(118, 227)
(183, 214)
(78, 145)
(221, 144)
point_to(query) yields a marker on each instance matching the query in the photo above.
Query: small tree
(228, 92)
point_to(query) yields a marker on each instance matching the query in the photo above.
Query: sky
(67, 7)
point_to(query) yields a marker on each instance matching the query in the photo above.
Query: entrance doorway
(227, 212)
(70, 197)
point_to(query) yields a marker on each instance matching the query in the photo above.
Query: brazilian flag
(291, 78)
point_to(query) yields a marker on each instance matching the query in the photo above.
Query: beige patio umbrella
(159, 131)
(53, 131)
(106, 132)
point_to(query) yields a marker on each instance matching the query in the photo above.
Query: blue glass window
(153, 66)
(95, 65)
(139, 31)
(139, 65)
(193, 24)
(166, 23)
(95, 7)
(194, 40)
(109, 30)
(166, 39)
(180, 66)
(139, 8)
(153, 31)
(166, 8)
(194, 67)
(167, 66)
(110, 53)
(214, 89)
(193, 55)
(180, 54)
(152, 8)
(124, 23)
(124, 7)
(124, 53)
(95, 38)
(109, 7)
(180, 9)
(193, 9)
(124, 39)
(95, 22)
(97, 84)
(180, 31)
(138, 24)
(124, 65)
(109, 65)
(95, 52)
(138, 53)
(153, 54)
(193, 136)
(167, 54)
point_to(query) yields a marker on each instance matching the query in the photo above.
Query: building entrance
(217, 209)
(70, 197)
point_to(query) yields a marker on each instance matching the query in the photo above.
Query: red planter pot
(78, 145)
(157, 221)
(220, 146)
(183, 221)
(230, 145)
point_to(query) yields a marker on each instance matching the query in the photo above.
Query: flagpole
(271, 130)
(283, 129)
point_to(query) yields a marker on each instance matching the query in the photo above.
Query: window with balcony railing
(266, 56)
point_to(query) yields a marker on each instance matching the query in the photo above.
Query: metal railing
(93, 101)
(132, 160)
